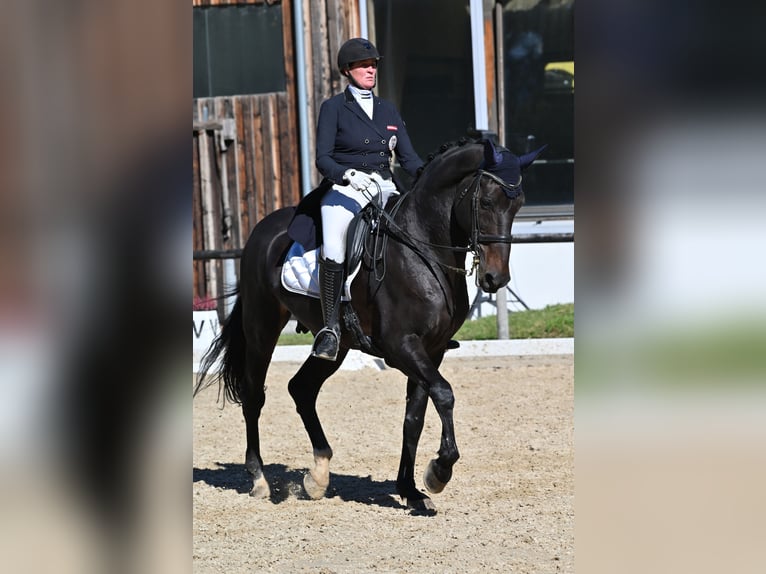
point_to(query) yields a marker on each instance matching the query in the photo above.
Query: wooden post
(502, 313)
(492, 42)
(208, 209)
(502, 294)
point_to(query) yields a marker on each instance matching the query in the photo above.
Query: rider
(356, 135)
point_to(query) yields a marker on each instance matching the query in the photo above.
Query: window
(426, 67)
(539, 97)
(238, 50)
(427, 71)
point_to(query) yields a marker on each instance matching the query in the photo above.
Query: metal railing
(206, 254)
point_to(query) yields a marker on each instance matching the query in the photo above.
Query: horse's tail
(230, 343)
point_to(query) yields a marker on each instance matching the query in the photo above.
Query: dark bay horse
(409, 304)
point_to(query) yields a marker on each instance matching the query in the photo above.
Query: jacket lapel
(354, 106)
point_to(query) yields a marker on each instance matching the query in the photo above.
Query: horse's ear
(491, 155)
(526, 160)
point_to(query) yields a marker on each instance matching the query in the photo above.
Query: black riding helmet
(356, 50)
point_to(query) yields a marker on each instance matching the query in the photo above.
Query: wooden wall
(238, 181)
(232, 2)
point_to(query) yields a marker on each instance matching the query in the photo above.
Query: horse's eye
(485, 203)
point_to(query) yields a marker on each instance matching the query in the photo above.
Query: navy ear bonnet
(502, 163)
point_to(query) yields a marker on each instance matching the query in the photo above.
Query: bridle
(477, 237)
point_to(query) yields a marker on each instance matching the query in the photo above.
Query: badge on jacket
(392, 143)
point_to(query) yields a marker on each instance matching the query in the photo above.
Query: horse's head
(488, 200)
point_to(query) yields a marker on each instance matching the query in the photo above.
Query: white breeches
(339, 205)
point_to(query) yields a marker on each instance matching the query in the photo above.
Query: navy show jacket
(347, 138)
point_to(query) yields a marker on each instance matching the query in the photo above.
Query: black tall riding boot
(330, 285)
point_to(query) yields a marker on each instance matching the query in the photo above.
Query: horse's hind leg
(304, 389)
(253, 398)
(262, 339)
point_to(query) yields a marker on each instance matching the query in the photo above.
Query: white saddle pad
(300, 273)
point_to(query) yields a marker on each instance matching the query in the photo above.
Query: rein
(477, 237)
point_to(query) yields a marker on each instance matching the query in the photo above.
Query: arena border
(357, 360)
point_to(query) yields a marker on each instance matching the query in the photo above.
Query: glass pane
(539, 93)
(238, 50)
(426, 67)
(202, 86)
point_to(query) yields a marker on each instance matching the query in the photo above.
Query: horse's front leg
(439, 471)
(304, 389)
(419, 366)
(414, 417)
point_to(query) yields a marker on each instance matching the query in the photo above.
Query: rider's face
(364, 73)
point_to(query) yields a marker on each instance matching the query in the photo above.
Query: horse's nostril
(494, 281)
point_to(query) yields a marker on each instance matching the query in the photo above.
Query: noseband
(511, 190)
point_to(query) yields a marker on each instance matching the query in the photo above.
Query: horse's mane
(438, 154)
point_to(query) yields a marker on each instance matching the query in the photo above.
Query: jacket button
(383, 142)
(364, 164)
(382, 153)
(366, 141)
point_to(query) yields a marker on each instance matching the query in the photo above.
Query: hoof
(433, 484)
(416, 500)
(260, 488)
(314, 489)
(420, 504)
